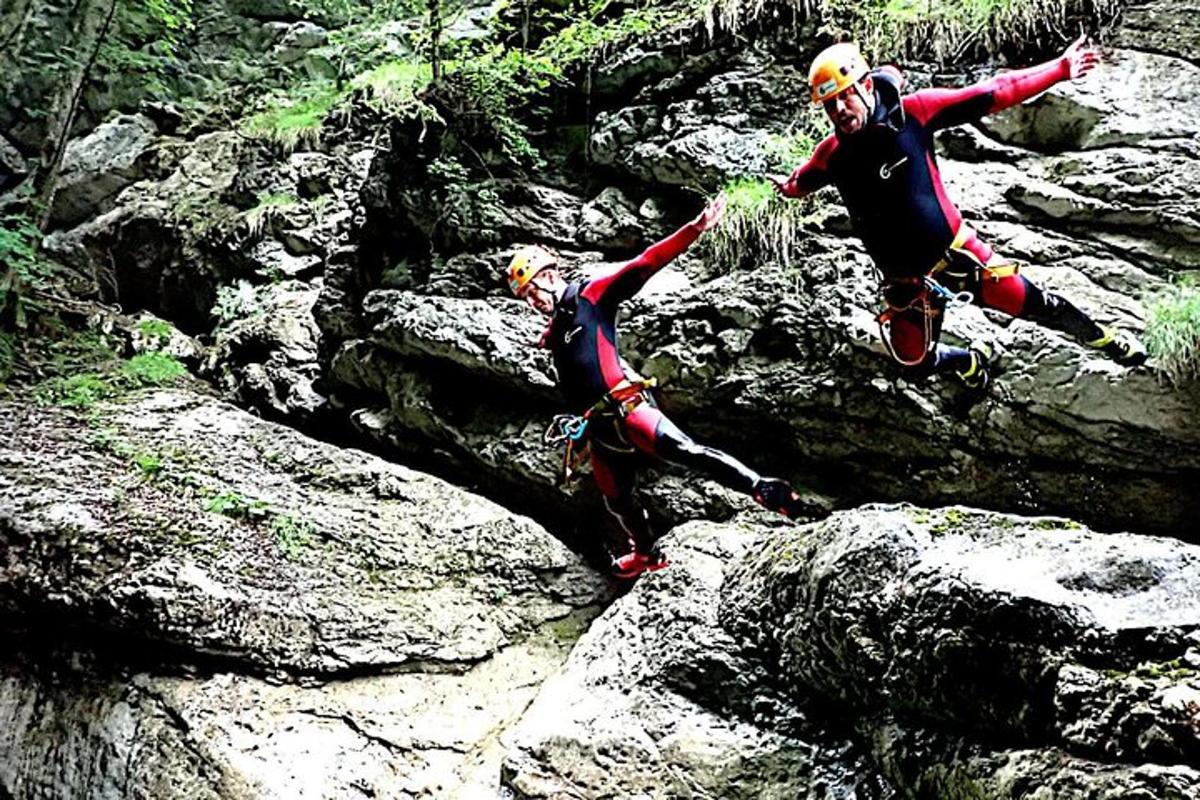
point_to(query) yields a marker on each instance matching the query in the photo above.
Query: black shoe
(777, 495)
(978, 376)
(1121, 346)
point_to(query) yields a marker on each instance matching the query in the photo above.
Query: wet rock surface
(203, 539)
(658, 700)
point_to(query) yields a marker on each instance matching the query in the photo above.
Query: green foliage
(469, 210)
(151, 369)
(759, 225)
(492, 94)
(150, 464)
(105, 377)
(947, 31)
(268, 209)
(589, 41)
(145, 42)
(951, 30)
(236, 506)
(295, 118)
(292, 535)
(25, 271)
(1173, 331)
(75, 391)
(392, 88)
(156, 331)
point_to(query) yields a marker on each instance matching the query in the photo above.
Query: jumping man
(622, 417)
(881, 159)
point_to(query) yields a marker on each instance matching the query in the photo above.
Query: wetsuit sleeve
(812, 174)
(945, 108)
(626, 280)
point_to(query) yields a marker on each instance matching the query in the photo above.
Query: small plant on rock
(758, 226)
(236, 506)
(295, 120)
(1173, 331)
(293, 535)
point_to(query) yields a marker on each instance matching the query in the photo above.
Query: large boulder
(96, 167)
(265, 356)
(658, 700)
(1078, 649)
(202, 538)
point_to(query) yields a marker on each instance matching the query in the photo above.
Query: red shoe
(633, 563)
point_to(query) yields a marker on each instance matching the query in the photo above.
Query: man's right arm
(809, 176)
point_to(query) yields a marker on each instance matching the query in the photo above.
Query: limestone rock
(610, 221)
(297, 40)
(241, 539)
(657, 700)
(265, 358)
(98, 166)
(965, 617)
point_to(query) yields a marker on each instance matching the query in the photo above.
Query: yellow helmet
(526, 263)
(836, 69)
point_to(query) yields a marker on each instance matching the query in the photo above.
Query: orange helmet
(836, 69)
(526, 263)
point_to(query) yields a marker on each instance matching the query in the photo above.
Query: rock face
(657, 700)
(266, 358)
(783, 365)
(188, 532)
(98, 166)
(1079, 651)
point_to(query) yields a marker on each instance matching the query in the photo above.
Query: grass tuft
(292, 122)
(393, 88)
(1173, 332)
(758, 226)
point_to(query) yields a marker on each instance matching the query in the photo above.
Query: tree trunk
(435, 37)
(95, 20)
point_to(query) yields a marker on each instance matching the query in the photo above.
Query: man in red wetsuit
(882, 161)
(622, 418)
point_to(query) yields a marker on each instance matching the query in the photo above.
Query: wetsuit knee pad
(1012, 294)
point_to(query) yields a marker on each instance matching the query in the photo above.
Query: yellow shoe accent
(1103, 340)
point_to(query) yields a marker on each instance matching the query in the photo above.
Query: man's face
(848, 110)
(543, 290)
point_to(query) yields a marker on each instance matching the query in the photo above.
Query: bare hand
(1082, 57)
(711, 214)
(778, 182)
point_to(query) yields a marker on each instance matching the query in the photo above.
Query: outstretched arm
(809, 176)
(628, 279)
(944, 108)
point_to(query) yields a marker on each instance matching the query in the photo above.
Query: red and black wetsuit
(888, 177)
(583, 339)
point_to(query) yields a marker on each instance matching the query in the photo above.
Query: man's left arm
(944, 108)
(628, 279)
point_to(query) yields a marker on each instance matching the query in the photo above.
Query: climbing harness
(571, 429)
(930, 296)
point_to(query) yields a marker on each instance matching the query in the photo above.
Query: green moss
(952, 519)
